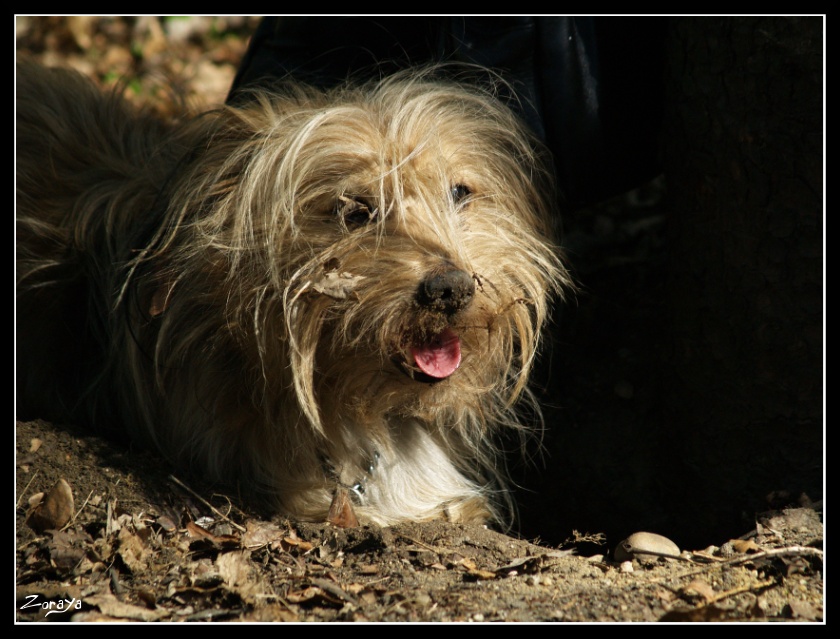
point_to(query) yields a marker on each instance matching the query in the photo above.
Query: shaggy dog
(329, 298)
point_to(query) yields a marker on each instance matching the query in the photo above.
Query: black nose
(446, 291)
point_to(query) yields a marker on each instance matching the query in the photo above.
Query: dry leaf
(699, 588)
(467, 563)
(333, 589)
(308, 594)
(474, 571)
(293, 542)
(197, 532)
(337, 285)
(159, 301)
(203, 536)
(54, 511)
(67, 548)
(355, 588)
(112, 607)
(234, 568)
(482, 574)
(341, 512)
(270, 613)
(166, 523)
(743, 546)
(527, 565)
(260, 533)
(132, 551)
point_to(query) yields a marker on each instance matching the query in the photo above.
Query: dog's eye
(459, 193)
(355, 212)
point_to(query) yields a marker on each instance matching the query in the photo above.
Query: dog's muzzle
(438, 357)
(443, 293)
(446, 292)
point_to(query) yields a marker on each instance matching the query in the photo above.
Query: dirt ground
(145, 545)
(142, 543)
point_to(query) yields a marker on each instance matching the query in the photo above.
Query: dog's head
(389, 246)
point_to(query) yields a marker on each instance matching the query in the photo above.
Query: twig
(23, 492)
(434, 549)
(705, 557)
(709, 603)
(110, 507)
(206, 503)
(665, 555)
(790, 551)
(737, 591)
(78, 512)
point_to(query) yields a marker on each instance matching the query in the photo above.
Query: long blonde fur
(236, 288)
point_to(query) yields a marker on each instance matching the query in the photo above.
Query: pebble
(639, 546)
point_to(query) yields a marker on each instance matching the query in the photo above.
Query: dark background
(685, 389)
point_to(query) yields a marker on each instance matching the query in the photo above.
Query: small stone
(422, 599)
(645, 546)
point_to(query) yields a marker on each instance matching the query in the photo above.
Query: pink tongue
(440, 356)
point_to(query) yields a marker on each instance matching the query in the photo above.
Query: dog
(330, 298)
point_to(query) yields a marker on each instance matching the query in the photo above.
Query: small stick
(78, 512)
(28, 484)
(793, 551)
(737, 591)
(206, 503)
